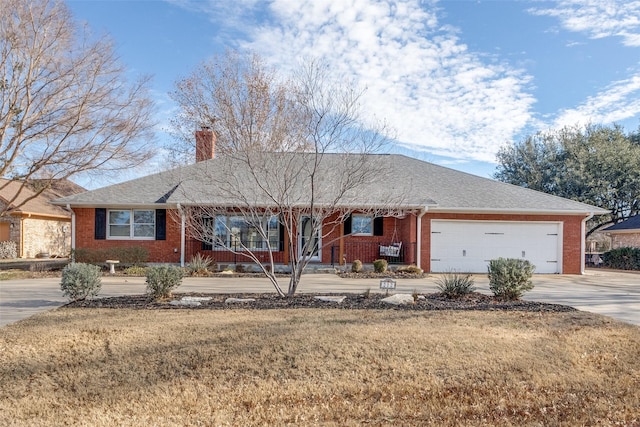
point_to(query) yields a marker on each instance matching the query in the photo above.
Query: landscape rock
(331, 298)
(399, 299)
(195, 299)
(187, 303)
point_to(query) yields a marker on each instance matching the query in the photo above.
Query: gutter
(73, 232)
(423, 211)
(583, 244)
(182, 235)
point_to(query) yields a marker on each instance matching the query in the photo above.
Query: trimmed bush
(380, 265)
(410, 269)
(622, 259)
(510, 278)
(356, 266)
(199, 265)
(8, 250)
(127, 255)
(162, 280)
(81, 281)
(454, 285)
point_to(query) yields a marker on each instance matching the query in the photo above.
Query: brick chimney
(205, 144)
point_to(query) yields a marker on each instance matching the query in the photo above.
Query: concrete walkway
(614, 294)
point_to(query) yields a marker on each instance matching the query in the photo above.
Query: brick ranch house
(36, 225)
(453, 221)
(625, 233)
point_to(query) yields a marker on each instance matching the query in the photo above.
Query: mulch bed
(473, 301)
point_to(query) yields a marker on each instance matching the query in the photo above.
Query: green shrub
(509, 278)
(453, 285)
(356, 266)
(199, 265)
(162, 280)
(135, 270)
(622, 259)
(410, 269)
(8, 250)
(80, 281)
(127, 255)
(380, 265)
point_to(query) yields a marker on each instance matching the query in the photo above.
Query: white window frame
(131, 224)
(272, 233)
(355, 232)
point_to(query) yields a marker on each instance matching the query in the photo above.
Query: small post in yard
(112, 263)
(387, 284)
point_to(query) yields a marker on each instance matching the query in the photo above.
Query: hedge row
(622, 259)
(129, 255)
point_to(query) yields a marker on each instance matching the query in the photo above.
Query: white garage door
(467, 246)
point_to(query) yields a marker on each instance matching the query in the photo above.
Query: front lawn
(108, 367)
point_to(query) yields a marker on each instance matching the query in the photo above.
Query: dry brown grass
(310, 367)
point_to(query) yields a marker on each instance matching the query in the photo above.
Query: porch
(367, 252)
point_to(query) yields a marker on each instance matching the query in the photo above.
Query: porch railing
(224, 255)
(367, 252)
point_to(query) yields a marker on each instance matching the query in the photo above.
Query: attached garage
(467, 246)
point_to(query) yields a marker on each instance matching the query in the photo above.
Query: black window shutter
(281, 236)
(161, 224)
(100, 230)
(347, 225)
(378, 226)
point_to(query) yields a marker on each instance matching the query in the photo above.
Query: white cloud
(619, 101)
(598, 18)
(439, 96)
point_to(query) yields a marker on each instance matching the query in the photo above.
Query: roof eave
(585, 212)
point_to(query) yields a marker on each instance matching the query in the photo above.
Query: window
(131, 224)
(362, 225)
(236, 232)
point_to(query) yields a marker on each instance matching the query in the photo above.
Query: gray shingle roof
(632, 223)
(419, 183)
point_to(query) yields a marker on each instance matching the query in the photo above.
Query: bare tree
(295, 160)
(66, 106)
(241, 99)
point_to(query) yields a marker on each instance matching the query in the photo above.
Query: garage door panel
(467, 246)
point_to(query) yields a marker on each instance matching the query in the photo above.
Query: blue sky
(456, 79)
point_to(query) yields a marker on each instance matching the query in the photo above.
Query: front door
(309, 241)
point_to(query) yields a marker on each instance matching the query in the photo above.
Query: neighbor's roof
(40, 205)
(630, 224)
(416, 183)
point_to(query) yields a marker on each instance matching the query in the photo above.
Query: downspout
(583, 244)
(182, 235)
(419, 237)
(22, 252)
(73, 232)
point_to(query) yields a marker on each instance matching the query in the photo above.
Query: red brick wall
(405, 229)
(366, 248)
(572, 235)
(159, 250)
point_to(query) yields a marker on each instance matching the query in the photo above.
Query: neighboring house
(37, 226)
(625, 234)
(453, 220)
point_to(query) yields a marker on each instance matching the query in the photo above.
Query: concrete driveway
(614, 294)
